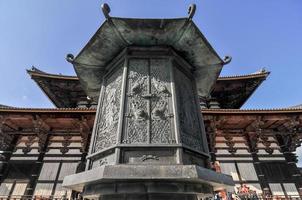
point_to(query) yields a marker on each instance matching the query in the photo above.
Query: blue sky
(255, 33)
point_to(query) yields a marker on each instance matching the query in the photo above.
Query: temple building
(40, 146)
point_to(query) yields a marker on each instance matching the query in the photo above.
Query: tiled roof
(297, 106)
(46, 110)
(205, 111)
(4, 106)
(36, 72)
(253, 111)
(245, 76)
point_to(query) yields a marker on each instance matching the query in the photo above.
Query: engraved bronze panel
(109, 114)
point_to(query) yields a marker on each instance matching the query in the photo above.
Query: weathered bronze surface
(115, 34)
(148, 130)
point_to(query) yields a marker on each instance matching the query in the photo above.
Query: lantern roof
(116, 34)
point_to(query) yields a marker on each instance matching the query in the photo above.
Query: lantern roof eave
(116, 34)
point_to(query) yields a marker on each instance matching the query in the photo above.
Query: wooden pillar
(85, 133)
(41, 130)
(288, 143)
(5, 157)
(252, 139)
(211, 136)
(211, 130)
(7, 146)
(85, 138)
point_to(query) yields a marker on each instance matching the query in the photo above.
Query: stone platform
(147, 182)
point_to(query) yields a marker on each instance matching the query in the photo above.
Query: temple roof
(63, 91)
(4, 106)
(234, 91)
(10, 109)
(297, 106)
(66, 91)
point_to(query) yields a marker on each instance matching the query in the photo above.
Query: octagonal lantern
(148, 142)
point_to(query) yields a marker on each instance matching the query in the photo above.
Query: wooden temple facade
(39, 147)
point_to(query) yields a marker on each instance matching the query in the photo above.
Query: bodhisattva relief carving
(188, 117)
(161, 113)
(148, 97)
(109, 113)
(137, 105)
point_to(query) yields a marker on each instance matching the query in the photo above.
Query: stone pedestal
(147, 182)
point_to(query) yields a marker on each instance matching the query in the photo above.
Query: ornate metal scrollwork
(106, 10)
(149, 157)
(103, 162)
(137, 87)
(159, 112)
(148, 96)
(227, 60)
(69, 58)
(109, 112)
(160, 87)
(140, 115)
(191, 11)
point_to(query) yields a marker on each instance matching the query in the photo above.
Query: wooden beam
(85, 132)
(5, 139)
(39, 124)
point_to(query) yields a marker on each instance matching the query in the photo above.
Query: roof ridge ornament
(227, 60)
(33, 68)
(191, 10)
(106, 10)
(69, 58)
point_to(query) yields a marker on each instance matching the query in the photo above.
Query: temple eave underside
(248, 144)
(254, 125)
(229, 92)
